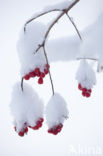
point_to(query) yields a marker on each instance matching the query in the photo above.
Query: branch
(49, 70)
(39, 15)
(22, 84)
(62, 12)
(88, 58)
(74, 26)
(65, 11)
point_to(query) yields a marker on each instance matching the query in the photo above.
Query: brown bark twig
(87, 58)
(22, 83)
(48, 69)
(74, 26)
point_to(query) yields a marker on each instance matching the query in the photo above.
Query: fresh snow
(85, 75)
(56, 110)
(25, 106)
(27, 45)
(71, 48)
(57, 6)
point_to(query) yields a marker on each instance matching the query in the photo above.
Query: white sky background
(85, 126)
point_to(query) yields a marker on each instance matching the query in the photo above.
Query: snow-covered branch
(65, 5)
(63, 9)
(71, 48)
(36, 52)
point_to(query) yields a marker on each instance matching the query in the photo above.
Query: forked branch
(42, 45)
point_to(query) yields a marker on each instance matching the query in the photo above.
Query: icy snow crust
(27, 45)
(26, 106)
(56, 110)
(85, 75)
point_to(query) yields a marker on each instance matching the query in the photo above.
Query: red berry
(26, 130)
(32, 74)
(40, 80)
(21, 133)
(84, 89)
(55, 132)
(59, 127)
(35, 127)
(46, 71)
(83, 93)
(47, 66)
(79, 86)
(50, 130)
(27, 77)
(38, 123)
(87, 94)
(89, 90)
(37, 71)
(55, 129)
(42, 74)
(41, 119)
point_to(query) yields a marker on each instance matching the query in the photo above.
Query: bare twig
(48, 69)
(74, 26)
(22, 83)
(88, 58)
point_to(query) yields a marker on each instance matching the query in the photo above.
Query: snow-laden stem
(41, 14)
(48, 69)
(88, 58)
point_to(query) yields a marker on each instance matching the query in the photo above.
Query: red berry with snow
(26, 130)
(37, 71)
(32, 74)
(55, 129)
(42, 74)
(41, 119)
(38, 124)
(21, 133)
(27, 77)
(40, 80)
(47, 66)
(85, 92)
(79, 86)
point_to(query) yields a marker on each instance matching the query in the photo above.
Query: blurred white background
(85, 125)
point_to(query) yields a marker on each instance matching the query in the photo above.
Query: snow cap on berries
(27, 44)
(26, 107)
(85, 75)
(56, 110)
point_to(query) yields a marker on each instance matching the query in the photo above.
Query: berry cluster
(38, 73)
(38, 124)
(24, 130)
(85, 92)
(55, 129)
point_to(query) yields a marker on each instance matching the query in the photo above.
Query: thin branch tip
(22, 83)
